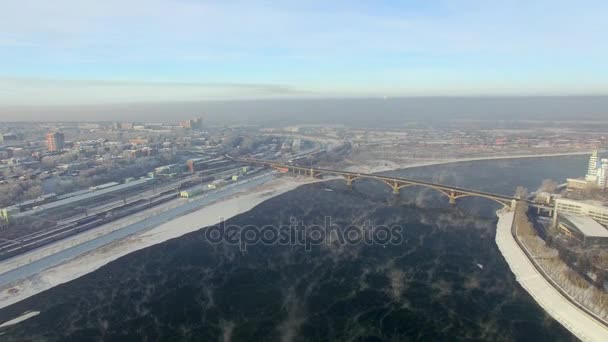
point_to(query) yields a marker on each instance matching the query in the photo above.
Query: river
(446, 280)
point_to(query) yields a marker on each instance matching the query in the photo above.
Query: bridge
(397, 183)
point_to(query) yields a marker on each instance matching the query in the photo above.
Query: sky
(83, 52)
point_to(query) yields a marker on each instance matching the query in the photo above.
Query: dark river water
(446, 281)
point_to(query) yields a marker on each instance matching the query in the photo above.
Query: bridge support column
(513, 205)
(349, 182)
(452, 198)
(395, 187)
(312, 173)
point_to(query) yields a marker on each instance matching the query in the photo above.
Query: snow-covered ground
(192, 221)
(561, 309)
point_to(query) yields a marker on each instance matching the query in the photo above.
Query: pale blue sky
(113, 51)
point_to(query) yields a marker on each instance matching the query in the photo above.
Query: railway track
(97, 216)
(32, 241)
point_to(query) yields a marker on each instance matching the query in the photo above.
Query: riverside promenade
(550, 299)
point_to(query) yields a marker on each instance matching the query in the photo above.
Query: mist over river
(445, 281)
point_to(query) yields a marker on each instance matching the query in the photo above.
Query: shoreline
(231, 206)
(544, 294)
(190, 222)
(368, 168)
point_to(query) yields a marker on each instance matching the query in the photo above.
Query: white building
(593, 209)
(602, 174)
(597, 172)
(592, 168)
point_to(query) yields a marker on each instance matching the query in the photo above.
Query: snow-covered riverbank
(561, 309)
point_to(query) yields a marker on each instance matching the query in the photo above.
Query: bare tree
(548, 185)
(521, 192)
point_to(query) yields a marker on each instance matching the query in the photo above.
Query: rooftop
(587, 226)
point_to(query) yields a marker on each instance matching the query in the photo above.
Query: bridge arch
(505, 203)
(451, 195)
(329, 173)
(394, 183)
(407, 185)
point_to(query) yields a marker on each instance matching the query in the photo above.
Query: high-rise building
(55, 141)
(592, 168)
(602, 174)
(196, 123)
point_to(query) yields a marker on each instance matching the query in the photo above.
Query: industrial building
(201, 164)
(168, 170)
(583, 229)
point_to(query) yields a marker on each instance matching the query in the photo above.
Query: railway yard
(51, 222)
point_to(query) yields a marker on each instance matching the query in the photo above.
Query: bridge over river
(397, 183)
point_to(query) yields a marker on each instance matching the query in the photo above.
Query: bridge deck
(398, 180)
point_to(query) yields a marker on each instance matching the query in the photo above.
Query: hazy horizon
(358, 111)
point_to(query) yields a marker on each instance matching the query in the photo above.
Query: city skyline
(71, 52)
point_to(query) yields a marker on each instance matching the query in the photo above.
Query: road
(546, 295)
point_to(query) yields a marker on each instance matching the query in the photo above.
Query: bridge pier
(395, 187)
(452, 198)
(349, 182)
